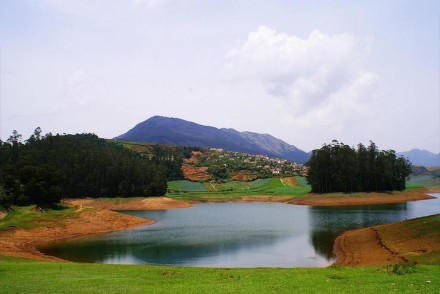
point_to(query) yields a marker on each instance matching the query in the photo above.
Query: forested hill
(45, 169)
(164, 130)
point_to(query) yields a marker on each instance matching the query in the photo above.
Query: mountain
(422, 157)
(174, 131)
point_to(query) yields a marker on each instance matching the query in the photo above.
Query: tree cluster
(45, 169)
(337, 167)
(219, 173)
(170, 160)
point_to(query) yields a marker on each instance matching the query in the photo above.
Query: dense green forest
(167, 156)
(337, 167)
(45, 169)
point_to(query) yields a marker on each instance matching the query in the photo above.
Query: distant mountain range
(422, 157)
(174, 131)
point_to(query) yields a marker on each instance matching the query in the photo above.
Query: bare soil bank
(363, 247)
(151, 203)
(416, 241)
(340, 199)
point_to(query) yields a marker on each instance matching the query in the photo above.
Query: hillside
(174, 131)
(422, 157)
(212, 164)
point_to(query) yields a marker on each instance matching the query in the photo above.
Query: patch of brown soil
(196, 174)
(340, 199)
(194, 157)
(244, 177)
(3, 214)
(282, 199)
(22, 242)
(398, 242)
(150, 203)
(363, 247)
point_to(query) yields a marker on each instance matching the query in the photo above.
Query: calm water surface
(236, 235)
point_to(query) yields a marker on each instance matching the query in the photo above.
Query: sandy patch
(150, 203)
(340, 199)
(282, 199)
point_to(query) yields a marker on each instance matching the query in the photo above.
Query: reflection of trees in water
(126, 248)
(173, 253)
(323, 242)
(326, 223)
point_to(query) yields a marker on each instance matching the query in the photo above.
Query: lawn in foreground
(27, 276)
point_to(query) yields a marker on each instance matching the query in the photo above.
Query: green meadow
(233, 190)
(27, 217)
(27, 276)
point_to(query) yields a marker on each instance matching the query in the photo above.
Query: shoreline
(96, 217)
(340, 199)
(20, 242)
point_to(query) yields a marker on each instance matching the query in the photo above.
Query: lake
(236, 235)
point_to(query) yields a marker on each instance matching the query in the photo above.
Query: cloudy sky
(306, 72)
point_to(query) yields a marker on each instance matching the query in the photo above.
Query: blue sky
(304, 71)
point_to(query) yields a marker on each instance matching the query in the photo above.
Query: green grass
(186, 186)
(422, 181)
(301, 180)
(234, 190)
(28, 217)
(25, 276)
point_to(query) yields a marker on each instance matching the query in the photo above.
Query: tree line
(337, 167)
(45, 169)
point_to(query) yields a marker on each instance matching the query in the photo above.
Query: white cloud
(152, 3)
(350, 103)
(319, 80)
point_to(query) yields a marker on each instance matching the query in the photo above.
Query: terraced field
(294, 186)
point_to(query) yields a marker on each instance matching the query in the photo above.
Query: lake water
(236, 235)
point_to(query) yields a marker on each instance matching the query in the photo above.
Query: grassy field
(28, 217)
(232, 190)
(26, 276)
(422, 181)
(186, 186)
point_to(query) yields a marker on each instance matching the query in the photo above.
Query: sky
(306, 72)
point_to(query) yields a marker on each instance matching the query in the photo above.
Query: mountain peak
(422, 157)
(175, 131)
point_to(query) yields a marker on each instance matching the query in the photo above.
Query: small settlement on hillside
(239, 166)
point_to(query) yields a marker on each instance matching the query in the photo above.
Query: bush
(401, 268)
